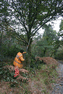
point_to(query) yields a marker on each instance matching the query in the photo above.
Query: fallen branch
(21, 78)
(12, 68)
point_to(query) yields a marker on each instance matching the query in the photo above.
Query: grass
(45, 76)
(41, 81)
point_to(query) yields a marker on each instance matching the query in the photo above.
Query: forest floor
(40, 81)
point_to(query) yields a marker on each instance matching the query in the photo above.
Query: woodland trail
(58, 88)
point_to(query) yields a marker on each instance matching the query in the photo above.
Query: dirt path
(58, 88)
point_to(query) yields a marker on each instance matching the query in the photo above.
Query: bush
(6, 76)
(11, 52)
(5, 73)
(59, 54)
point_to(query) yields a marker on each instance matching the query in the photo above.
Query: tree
(46, 45)
(59, 51)
(3, 19)
(49, 37)
(61, 25)
(33, 14)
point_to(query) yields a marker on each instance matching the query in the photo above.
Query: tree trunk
(1, 41)
(45, 51)
(28, 57)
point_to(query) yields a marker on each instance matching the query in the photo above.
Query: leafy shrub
(59, 54)
(5, 75)
(11, 52)
(1, 58)
(1, 69)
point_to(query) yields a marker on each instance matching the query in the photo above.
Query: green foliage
(61, 31)
(47, 45)
(7, 76)
(61, 25)
(27, 91)
(33, 16)
(10, 52)
(59, 53)
(49, 74)
(29, 19)
(1, 69)
(44, 77)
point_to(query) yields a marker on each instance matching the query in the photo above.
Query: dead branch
(12, 68)
(21, 78)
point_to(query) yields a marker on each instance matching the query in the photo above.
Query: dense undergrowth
(40, 79)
